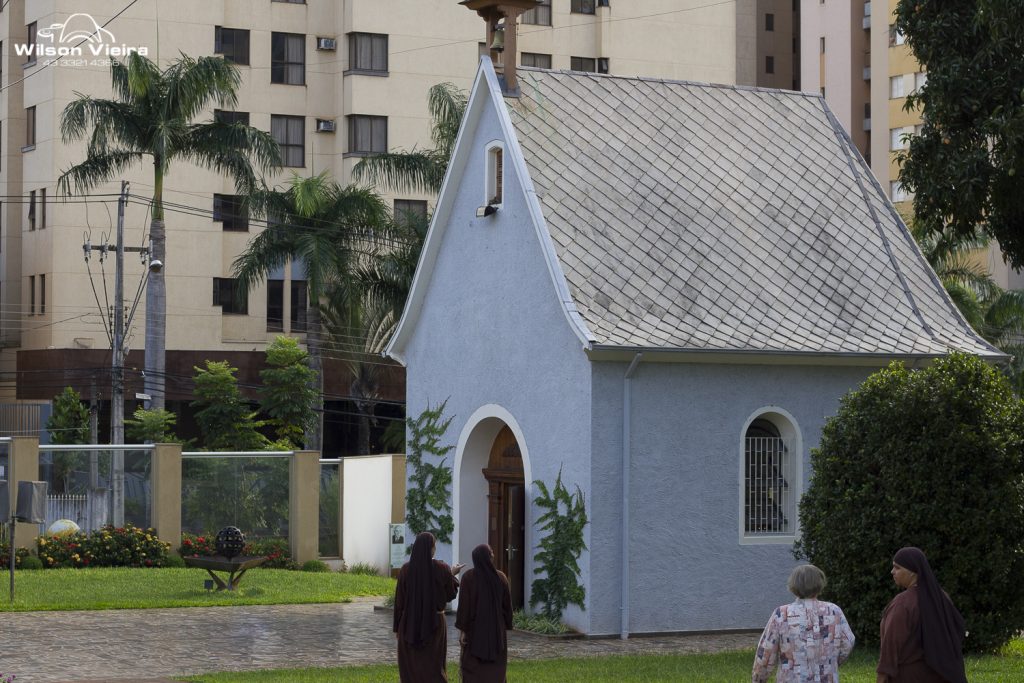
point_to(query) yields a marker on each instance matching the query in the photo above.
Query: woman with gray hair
(808, 638)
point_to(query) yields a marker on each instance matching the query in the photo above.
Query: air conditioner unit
(326, 44)
(324, 126)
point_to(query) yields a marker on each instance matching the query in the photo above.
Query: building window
(896, 137)
(539, 15)
(293, 2)
(42, 208)
(30, 128)
(494, 188)
(227, 295)
(583, 6)
(42, 295)
(275, 305)
(920, 78)
(588, 64)
(32, 210)
(535, 59)
(821, 45)
(224, 116)
(770, 481)
(895, 37)
(897, 192)
(288, 58)
(232, 43)
(228, 210)
(368, 52)
(367, 134)
(31, 294)
(822, 90)
(410, 212)
(30, 41)
(289, 132)
(769, 64)
(896, 87)
(300, 306)
(769, 22)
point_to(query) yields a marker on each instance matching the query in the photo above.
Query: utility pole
(117, 380)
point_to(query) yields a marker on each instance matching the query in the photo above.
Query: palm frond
(230, 149)
(447, 107)
(192, 84)
(412, 171)
(135, 79)
(266, 252)
(967, 301)
(1004, 318)
(96, 169)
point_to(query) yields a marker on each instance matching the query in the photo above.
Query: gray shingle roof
(692, 216)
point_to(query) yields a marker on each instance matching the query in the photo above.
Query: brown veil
(486, 638)
(420, 601)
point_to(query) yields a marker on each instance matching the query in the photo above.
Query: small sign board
(142, 397)
(396, 533)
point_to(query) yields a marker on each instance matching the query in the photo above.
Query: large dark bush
(932, 458)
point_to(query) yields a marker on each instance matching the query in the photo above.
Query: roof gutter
(627, 397)
(608, 352)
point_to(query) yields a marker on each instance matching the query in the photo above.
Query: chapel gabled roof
(713, 218)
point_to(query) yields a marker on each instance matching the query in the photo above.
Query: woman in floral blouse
(807, 639)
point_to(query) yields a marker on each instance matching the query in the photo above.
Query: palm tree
(150, 120)
(324, 227)
(995, 313)
(420, 170)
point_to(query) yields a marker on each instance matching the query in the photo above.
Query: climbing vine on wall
(564, 519)
(428, 501)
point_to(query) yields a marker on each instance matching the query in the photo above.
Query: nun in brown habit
(922, 631)
(484, 616)
(425, 585)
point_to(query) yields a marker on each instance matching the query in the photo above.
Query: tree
(564, 519)
(152, 426)
(995, 313)
(323, 227)
(966, 167)
(226, 422)
(420, 170)
(932, 458)
(289, 394)
(67, 424)
(428, 502)
(151, 121)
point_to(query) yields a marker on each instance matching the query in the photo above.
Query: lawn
(726, 667)
(122, 588)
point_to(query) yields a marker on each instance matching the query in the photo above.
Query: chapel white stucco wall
(367, 503)
(492, 332)
(688, 569)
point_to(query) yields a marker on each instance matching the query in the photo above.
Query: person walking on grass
(483, 619)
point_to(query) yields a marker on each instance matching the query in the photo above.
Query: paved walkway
(140, 645)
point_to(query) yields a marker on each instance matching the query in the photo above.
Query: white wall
(366, 508)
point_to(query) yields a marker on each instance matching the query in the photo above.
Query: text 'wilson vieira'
(95, 49)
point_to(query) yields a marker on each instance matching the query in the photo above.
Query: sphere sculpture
(63, 526)
(230, 541)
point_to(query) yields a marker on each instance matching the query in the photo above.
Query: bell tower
(502, 20)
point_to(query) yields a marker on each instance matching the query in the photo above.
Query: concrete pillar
(165, 490)
(304, 506)
(341, 510)
(24, 466)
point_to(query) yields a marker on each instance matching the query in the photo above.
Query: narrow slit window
(495, 175)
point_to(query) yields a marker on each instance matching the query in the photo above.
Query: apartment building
(332, 81)
(865, 71)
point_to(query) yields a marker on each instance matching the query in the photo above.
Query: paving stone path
(147, 645)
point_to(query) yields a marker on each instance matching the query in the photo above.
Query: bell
(498, 41)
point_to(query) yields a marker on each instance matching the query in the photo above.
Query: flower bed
(127, 546)
(276, 549)
(5, 559)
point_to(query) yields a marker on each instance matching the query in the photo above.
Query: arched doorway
(506, 510)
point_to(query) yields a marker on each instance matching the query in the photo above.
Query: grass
(725, 667)
(122, 588)
(537, 623)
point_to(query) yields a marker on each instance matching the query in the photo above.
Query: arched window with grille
(770, 479)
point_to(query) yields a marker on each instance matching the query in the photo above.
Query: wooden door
(506, 508)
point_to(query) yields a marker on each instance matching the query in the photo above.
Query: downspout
(626, 410)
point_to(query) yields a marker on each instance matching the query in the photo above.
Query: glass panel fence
(330, 500)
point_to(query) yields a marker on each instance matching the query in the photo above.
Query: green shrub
(932, 458)
(31, 562)
(127, 546)
(537, 623)
(365, 568)
(174, 561)
(314, 566)
(5, 556)
(564, 518)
